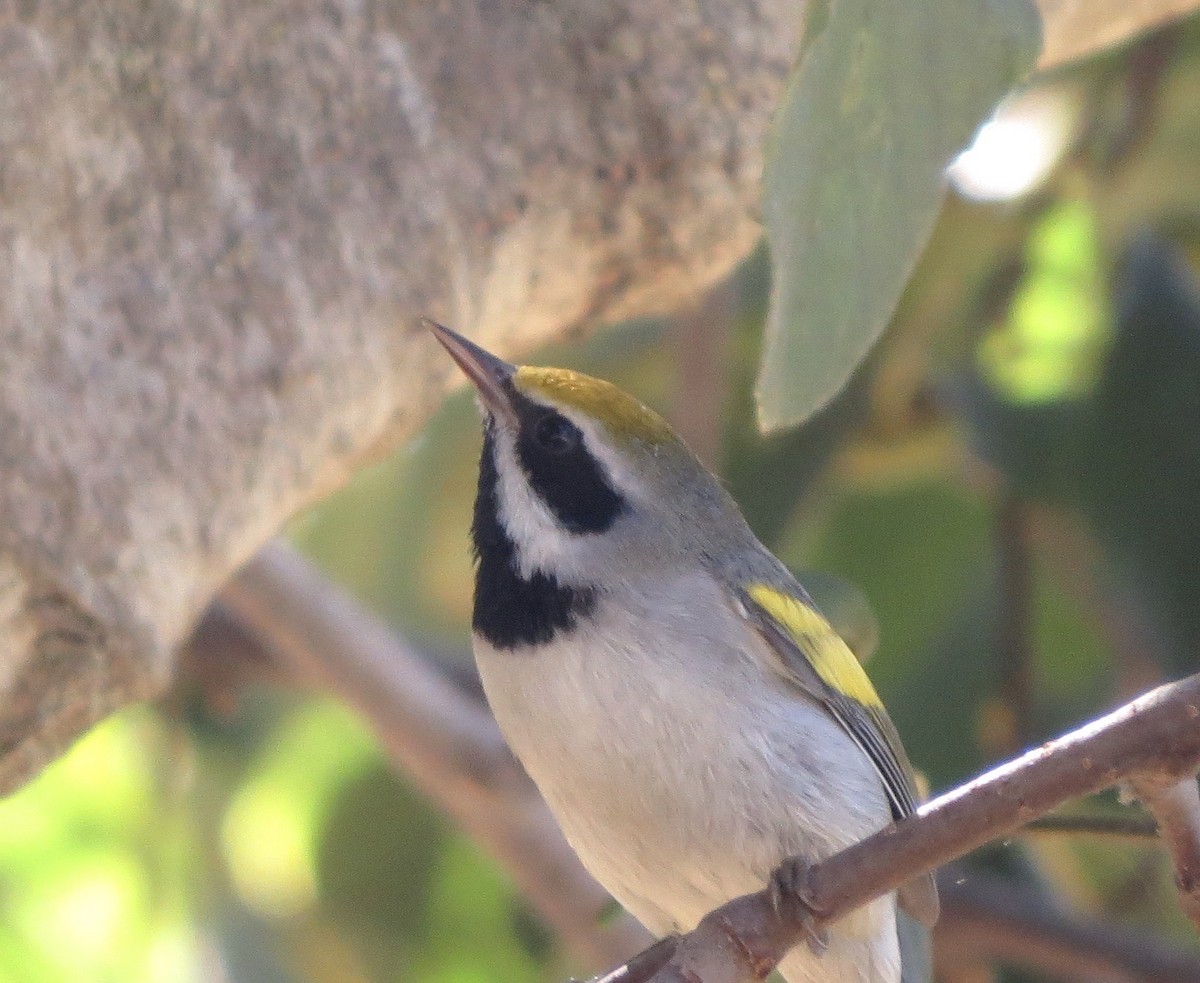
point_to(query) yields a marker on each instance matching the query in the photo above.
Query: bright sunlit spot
(92, 909)
(269, 849)
(86, 914)
(1016, 149)
(271, 829)
(1052, 343)
(170, 952)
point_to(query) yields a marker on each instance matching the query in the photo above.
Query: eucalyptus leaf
(884, 96)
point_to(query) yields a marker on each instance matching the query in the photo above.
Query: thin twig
(1137, 827)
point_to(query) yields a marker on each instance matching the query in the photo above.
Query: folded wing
(813, 657)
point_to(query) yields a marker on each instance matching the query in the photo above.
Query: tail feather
(916, 949)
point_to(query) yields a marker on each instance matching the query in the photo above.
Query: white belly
(682, 771)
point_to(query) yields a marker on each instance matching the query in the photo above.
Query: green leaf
(884, 97)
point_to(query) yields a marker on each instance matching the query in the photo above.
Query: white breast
(681, 770)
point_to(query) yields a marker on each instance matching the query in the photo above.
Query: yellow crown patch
(620, 413)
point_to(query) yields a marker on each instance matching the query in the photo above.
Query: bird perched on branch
(689, 716)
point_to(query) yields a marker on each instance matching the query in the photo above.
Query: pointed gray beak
(489, 374)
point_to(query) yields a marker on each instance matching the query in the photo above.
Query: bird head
(582, 483)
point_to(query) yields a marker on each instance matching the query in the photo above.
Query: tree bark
(219, 220)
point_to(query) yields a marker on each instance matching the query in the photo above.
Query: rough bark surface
(218, 220)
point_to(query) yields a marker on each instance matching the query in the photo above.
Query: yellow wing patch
(830, 657)
(799, 632)
(623, 415)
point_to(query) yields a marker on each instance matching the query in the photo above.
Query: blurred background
(1001, 511)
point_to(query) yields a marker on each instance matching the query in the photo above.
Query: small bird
(689, 716)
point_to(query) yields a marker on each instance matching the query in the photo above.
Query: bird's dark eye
(556, 434)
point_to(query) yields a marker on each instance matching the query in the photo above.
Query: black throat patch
(512, 610)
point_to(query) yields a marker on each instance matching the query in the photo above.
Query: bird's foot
(788, 889)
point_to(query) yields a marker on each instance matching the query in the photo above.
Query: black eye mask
(562, 472)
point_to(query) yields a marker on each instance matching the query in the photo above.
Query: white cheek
(542, 544)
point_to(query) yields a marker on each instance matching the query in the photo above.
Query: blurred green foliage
(1036, 355)
(97, 880)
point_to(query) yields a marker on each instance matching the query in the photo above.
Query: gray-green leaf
(886, 93)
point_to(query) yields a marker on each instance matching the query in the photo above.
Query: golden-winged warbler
(689, 716)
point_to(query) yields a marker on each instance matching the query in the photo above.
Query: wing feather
(813, 657)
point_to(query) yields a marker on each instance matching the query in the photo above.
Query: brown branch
(1175, 806)
(443, 740)
(1135, 638)
(1156, 735)
(1135, 827)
